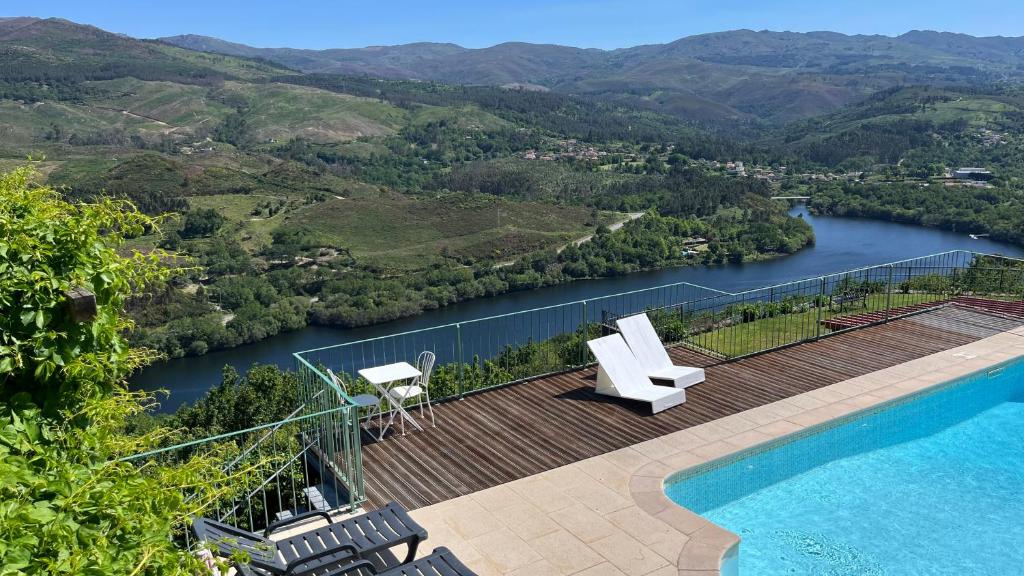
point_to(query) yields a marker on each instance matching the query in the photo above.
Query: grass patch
(178, 105)
(462, 117)
(283, 111)
(24, 122)
(409, 232)
(758, 335)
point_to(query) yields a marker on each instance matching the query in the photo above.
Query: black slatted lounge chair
(316, 552)
(441, 563)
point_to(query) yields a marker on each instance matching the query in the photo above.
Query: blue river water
(929, 487)
(841, 244)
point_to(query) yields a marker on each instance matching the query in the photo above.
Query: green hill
(917, 127)
(907, 142)
(59, 50)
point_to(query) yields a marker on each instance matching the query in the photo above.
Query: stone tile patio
(609, 516)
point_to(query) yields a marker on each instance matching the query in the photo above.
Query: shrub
(69, 502)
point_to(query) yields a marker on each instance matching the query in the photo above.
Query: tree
(71, 503)
(264, 394)
(201, 223)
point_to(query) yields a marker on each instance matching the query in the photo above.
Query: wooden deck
(509, 433)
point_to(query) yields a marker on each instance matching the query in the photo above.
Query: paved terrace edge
(609, 515)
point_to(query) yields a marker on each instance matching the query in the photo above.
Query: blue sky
(479, 23)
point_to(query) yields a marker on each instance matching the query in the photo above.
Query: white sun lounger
(620, 375)
(650, 352)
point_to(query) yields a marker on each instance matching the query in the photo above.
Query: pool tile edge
(709, 545)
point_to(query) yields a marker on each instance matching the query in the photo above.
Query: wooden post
(81, 305)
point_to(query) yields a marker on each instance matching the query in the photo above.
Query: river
(841, 244)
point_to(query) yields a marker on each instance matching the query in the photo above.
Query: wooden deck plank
(505, 434)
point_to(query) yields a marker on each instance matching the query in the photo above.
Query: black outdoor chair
(367, 538)
(441, 563)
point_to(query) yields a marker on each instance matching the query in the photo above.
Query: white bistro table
(381, 377)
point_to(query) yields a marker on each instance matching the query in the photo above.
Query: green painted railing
(309, 460)
(499, 350)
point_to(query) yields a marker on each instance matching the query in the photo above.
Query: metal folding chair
(372, 401)
(419, 388)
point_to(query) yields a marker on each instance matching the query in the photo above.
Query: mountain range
(740, 75)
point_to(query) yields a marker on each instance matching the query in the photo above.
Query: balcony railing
(310, 460)
(499, 350)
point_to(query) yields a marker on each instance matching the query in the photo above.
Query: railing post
(458, 353)
(584, 333)
(888, 294)
(819, 303)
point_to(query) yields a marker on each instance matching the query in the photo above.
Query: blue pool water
(926, 487)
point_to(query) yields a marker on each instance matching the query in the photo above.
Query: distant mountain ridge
(736, 79)
(735, 75)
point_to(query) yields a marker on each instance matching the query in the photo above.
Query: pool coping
(609, 515)
(709, 546)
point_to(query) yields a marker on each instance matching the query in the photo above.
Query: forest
(993, 211)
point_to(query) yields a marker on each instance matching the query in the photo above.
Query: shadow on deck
(524, 429)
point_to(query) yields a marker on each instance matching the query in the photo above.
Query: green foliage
(71, 504)
(928, 283)
(264, 394)
(197, 335)
(201, 223)
(153, 182)
(916, 131)
(234, 130)
(49, 247)
(760, 310)
(992, 276)
(995, 211)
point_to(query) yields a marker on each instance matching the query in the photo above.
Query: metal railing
(754, 321)
(498, 350)
(309, 460)
(495, 351)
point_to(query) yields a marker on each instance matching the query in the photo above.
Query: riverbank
(996, 212)
(840, 244)
(270, 303)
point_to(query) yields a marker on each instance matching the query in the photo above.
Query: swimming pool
(929, 485)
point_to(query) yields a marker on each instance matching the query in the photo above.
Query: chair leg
(375, 411)
(391, 417)
(362, 425)
(430, 407)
